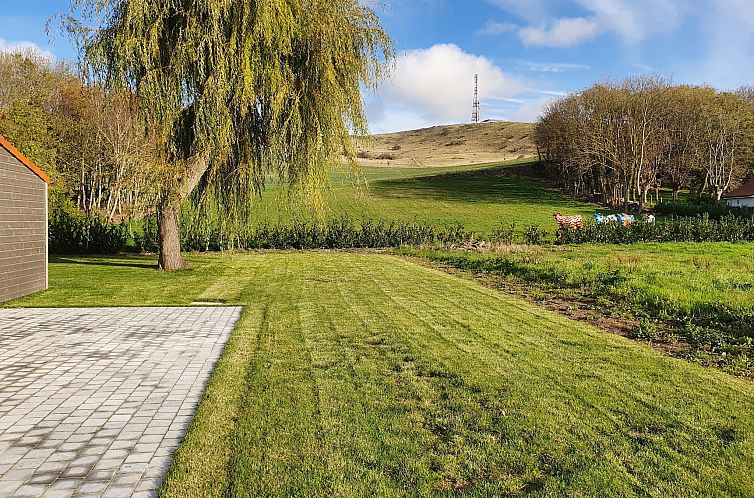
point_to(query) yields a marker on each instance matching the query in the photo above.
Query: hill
(452, 145)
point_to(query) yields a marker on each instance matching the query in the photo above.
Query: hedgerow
(687, 229)
(72, 233)
(341, 233)
(697, 207)
(90, 233)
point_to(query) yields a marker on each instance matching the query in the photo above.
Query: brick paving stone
(94, 401)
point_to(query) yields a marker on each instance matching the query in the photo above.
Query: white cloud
(635, 20)
(529, 111)
(551, 93)
(553, 67)
(632, 20)
(24, 47)
(562, 33)
(494, 28)
(436, 84)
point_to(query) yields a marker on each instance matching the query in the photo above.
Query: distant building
(23, 224)
(742, 196)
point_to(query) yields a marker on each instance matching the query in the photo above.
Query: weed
(504, 234)
(702, 262)
(534, 235)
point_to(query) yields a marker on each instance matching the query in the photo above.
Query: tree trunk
(643, 199)
(169, 207)
(170, 236)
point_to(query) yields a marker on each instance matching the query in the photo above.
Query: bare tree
(623, 140)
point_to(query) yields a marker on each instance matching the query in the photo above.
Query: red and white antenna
(475, 115)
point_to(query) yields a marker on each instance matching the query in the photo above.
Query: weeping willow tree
(236, 91)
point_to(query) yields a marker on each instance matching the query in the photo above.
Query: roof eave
(24, 160)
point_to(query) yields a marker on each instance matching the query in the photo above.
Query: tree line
(86, 137)
(619, 143)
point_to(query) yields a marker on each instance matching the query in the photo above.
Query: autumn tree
(721, 140)
(680, 134)
(29, 99)
(627, 138)
(127, 154)
(236, 90)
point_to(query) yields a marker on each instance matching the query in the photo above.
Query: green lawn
(690, 275)
(478, 197)
(683, 294)
(369, 375)
(684, 275)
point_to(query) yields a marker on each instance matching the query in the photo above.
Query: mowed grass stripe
(444, 405)
(420, 461)
(200, 467)
(466, 359)
(350, 366)
(277, 441)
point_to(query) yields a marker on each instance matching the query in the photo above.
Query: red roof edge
(26, 162)
(746, 190)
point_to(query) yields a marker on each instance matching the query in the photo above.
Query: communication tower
(475, 115)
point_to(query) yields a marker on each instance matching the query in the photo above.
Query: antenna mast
(477, 106)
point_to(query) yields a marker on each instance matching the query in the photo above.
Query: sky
(526, 52)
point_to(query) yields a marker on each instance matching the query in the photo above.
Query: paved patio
(93, 402)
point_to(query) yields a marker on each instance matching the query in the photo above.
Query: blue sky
(525, 51)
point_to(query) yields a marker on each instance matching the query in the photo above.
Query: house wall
(23, 229)
(742, 202)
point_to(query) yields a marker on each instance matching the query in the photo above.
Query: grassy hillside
(479, 197)
(367, 375)
(449, 145)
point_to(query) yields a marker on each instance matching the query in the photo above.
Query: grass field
(687, 275)
(700, 293)
(369, 375)
(478, 197)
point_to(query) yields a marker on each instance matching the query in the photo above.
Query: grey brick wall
(23, 229)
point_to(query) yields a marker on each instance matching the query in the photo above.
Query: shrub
(148, 240)
(340, 233)
(504, 234)
(697, 207)
(75, 233)
(534, 235)
(729, 228)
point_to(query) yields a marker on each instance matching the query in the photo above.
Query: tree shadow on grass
(486, 186)
(102, 261)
